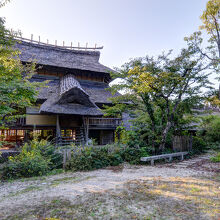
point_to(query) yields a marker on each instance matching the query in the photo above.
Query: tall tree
(16, 91)
(211, 23)
(162, 90)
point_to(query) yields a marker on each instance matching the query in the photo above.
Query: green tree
(210, 19)
(16, 91)
(159, 92)
(211, 24)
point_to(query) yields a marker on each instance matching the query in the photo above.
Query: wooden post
(86, 128)
(64, 158)
(71, 45)
(58, 132)
(63, 43)
(56, 42)
(39, 40)
(152, 162)
(31, 37)
(16, 136)
(101, 137)
(182, 157)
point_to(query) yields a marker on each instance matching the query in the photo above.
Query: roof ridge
(39, 42)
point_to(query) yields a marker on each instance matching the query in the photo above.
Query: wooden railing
(104, 122)
(20, 122)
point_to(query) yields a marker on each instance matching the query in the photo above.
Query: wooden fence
(182, 143)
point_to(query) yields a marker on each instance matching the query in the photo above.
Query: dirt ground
(180, 190)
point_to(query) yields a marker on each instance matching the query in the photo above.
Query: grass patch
(216, 159)
(26, 190)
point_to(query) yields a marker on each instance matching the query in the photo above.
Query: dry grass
(181, 190)
(150, 198)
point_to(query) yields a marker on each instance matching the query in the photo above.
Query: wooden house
(68, 109)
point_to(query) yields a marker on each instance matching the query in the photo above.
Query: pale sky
(126, 28)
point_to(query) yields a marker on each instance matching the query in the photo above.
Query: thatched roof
(60, 57)
(52, 106)
(70, 98)
(96, 90)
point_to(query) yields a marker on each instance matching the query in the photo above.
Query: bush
(36, 158)
(216, 159)
(132, 155)
(48, 151)
(198, 145)
(25, 165)
(211, 124)
(91, 158)
(95, 158)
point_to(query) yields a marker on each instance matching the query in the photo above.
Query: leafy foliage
(91, 158)
(27, 164)
(132, 155)
(216, 159)
(159, 92)
(210, 19)
(211, 124)
(36, 158)
(199, 145)
(17, 92)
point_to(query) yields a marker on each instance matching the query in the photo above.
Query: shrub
(35, 159)
(48, 151)
(26, 164)
(211, 124)
(95, 158)
(132, 155)
(2, 158)
(198, 145)
(91, 158)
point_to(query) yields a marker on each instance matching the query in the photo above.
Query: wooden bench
(164, 156)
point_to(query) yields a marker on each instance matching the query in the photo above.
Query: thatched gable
(70, 98)
(72, 92)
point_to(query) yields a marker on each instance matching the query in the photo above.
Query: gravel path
(27, 193)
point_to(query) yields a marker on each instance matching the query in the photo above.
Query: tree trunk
(219, 47)
(219, 92)
(219, 58)
(164, 136)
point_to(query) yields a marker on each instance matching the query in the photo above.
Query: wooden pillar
(16, 137)
(86, 128)
(101, 137)
(58, 131)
